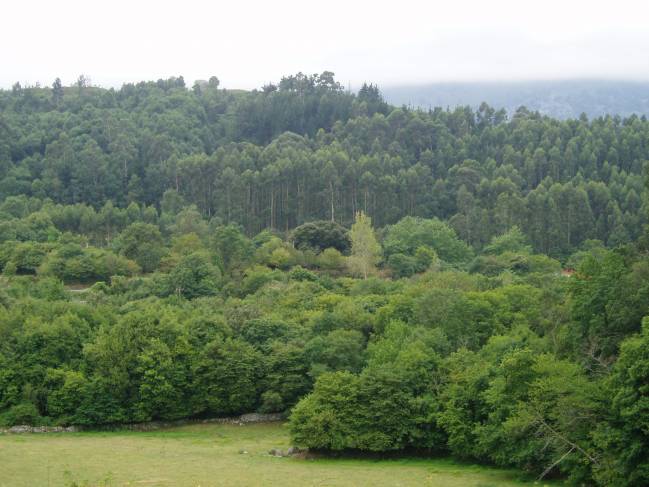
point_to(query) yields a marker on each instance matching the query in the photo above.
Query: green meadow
(215, 455)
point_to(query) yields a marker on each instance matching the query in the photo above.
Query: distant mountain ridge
(560, 99)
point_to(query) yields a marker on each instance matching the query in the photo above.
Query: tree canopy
(455, 282)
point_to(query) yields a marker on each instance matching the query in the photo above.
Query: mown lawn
(209, 455)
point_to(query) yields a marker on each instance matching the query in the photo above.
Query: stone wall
(39, 429)
(150, 426)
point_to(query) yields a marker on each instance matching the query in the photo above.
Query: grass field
(209, 455)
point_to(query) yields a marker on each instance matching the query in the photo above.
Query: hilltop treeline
(305, 150)
(447, 281)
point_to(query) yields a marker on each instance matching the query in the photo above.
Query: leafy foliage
(322, 235)
(170, 253)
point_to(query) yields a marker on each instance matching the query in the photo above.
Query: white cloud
(247, 43)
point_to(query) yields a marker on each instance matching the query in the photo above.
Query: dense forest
(305, 150)
(460, 282)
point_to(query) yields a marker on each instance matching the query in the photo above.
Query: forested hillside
(559, 98)
(305, 150)
(448, 282)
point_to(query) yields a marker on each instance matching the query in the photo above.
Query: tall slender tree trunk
(331, 190)
(272, 207)
(288, 214)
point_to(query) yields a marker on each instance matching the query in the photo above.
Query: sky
(247, 44)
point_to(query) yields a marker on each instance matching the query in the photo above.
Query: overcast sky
(248, 43)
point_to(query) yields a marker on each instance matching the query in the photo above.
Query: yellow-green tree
(366, 250)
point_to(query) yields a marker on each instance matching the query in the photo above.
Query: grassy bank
(210, 455)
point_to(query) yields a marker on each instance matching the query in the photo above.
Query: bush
(194, 276)
(402, 265)
(410, 233)
(86, 265)
(256, 277)
(331, 260)
(271, 402)
(299, 273)
(23, 413)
